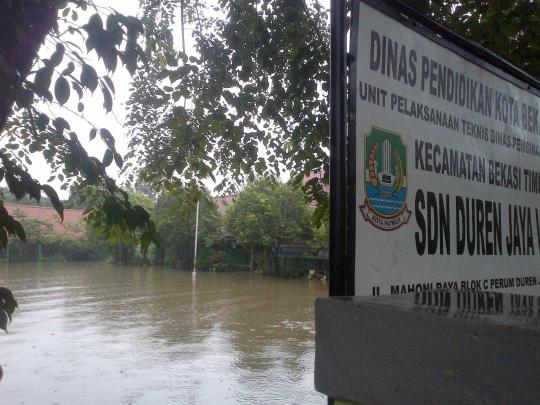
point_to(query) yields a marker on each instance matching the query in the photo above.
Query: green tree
(175, 220)
(89, 246)
(118, 227)
(250, 85)
(511, 29)
(265, 214)
(80, 242)
(123, 244)
(256, 84)
(38, 232)
(319, 242)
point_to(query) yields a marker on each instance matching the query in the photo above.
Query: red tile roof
(320, 175)
(223, 202)
(73, 219)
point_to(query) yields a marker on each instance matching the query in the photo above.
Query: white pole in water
(196, 234)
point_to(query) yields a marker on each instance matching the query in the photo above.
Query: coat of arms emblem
(385, 184)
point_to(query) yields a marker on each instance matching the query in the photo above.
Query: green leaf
(90, 171)
(95, 23)
(57, 204)
(109, 83)
(118, 160)
(24, 97)
(130, 59)
(90, 43)
(135, 23)
(7, 301)
(69, 69)
(19, 230)
(111, 185)
(14, 186)
(89, 78)
(171, 59)
(78, 89)
(107, 138)
(146, 239)
(43, 78)
(34, 189)
(107, 158)
(132, 219)
(42, 121)
(3, 319)
(3, 237)
(71, 162)
(110, 59)
(61, 90)
(124, 195)
(60, 124)
(93, 133)
(58, 55)
(107, 99)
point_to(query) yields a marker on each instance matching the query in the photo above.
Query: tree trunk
(266, 259)
(23, 27)
(251, 259)
(275, 254)
(160, 256)
(124, 253)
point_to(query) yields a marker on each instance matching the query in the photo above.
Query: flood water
(102, 334)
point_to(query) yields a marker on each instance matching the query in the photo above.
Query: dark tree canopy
(250, 97)
(511, 29)
(249, 100)
(266, 214)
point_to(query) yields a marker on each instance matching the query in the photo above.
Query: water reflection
(488, 306)
(91, 333)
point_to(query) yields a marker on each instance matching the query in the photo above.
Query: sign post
(338, 281)
(340, 275)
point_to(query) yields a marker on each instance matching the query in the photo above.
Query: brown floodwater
(104, 334)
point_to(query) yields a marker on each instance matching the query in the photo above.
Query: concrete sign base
(429, 347)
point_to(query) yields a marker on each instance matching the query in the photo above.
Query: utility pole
(196, 236)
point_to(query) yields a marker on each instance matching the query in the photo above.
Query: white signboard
(447, 168)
